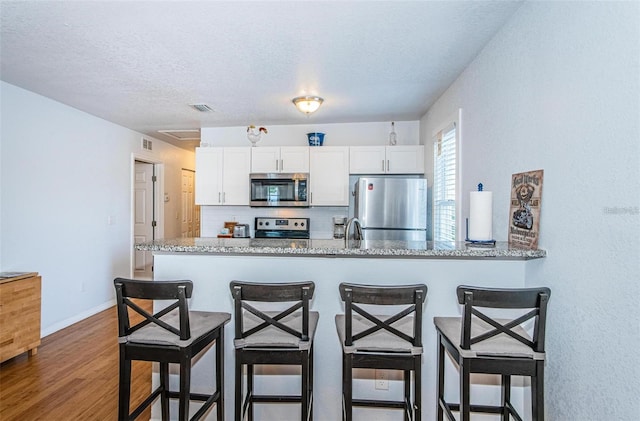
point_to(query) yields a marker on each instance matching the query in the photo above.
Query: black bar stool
(374, 341)
(172, 335)
(274, 326)
(481, 343)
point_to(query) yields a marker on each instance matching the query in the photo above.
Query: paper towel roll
(480, 215)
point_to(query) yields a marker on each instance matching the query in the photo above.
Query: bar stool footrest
(485, 409)
(194, 396)
(378, 403)
(148, 401)
(276, 399)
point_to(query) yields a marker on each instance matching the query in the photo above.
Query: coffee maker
(338, 226)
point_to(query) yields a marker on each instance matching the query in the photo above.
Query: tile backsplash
(212, 218)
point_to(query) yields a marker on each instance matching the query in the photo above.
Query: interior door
(190, 221)
(144, 224)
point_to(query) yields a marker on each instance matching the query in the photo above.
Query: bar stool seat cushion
(501, 345)
(380, 341)
(201, 323)
(274, 337)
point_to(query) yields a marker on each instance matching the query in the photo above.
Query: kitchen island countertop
(337, 248)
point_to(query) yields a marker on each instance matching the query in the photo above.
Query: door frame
(158, 209)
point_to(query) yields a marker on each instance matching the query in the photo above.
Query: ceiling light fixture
(307, 104)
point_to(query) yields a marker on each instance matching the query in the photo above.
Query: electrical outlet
(382, 380)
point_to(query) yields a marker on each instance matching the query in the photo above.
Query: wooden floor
(73, 376)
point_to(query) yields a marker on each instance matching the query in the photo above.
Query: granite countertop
(337, 248)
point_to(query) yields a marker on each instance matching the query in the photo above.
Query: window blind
(444, 185)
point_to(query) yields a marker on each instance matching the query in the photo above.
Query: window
(444, 184)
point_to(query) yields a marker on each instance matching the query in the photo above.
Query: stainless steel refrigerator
(392, 208)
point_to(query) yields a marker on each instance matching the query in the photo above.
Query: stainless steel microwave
(279, 190)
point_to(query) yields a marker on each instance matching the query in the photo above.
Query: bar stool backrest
(534, 299)
(176, 291)
(410, 296)
(298, 293)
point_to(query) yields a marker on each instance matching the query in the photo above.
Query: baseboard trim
(78, 317)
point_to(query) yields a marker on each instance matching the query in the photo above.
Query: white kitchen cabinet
(405, 159)
(284, 159)
(367, 160)
(208, 176)
(329, 175)
(399, 159)
(222, 176)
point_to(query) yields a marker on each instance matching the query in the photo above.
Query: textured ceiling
(140, 64)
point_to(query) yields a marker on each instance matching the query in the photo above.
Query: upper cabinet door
(265, 159)
(399, 159)
(222, 176)
(329, 175)
(367, 160)
(286, 159)
(209, 176)
(294, 159)
(235, 176)
(405, 159)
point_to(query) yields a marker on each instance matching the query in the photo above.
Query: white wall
(559, 89)
(64, 173)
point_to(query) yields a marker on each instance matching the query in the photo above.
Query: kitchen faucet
(357, 232)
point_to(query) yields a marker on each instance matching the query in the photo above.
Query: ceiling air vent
(187, 134)
(203, 108)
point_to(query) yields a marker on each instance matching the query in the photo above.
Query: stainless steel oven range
(282, 228)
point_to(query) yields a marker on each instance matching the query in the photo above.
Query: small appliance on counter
(241, 231)
(282, 228)
(227, 231)
(339, 223)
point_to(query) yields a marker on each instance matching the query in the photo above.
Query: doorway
(144, 216)
(190, 222)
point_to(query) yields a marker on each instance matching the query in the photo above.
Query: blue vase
(315, 139)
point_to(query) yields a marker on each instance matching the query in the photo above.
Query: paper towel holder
(487, 243)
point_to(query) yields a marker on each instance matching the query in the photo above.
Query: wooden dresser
(19, 313)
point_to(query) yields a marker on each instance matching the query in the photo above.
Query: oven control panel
(282, 224)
